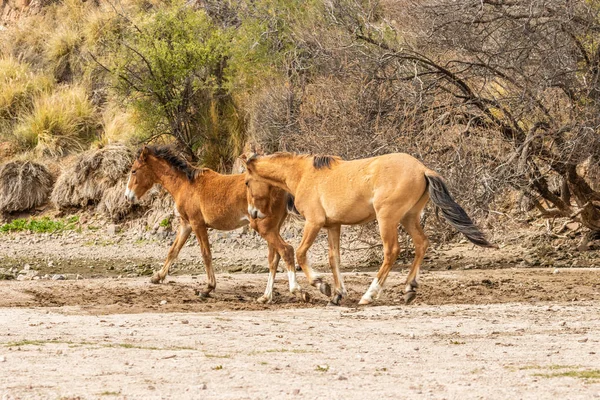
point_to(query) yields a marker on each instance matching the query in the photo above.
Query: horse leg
(273, 262)
(311, 230)
(202, 236)
(388, 229)
(182, 235)
(333, 237)
(413, 227)
(284, 251)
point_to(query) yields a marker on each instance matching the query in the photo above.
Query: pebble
(185, 321)
(341, 378)
(58, 277)
(163, 302)
(2, 359)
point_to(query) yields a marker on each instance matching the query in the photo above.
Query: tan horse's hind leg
(273, 263)
(412, 224)
(311, 230)
(388, 228)
(182, 235)
(333, 237)
(202, 235)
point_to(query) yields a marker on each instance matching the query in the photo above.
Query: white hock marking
(373, 291)
(269, 288)
(294, 286)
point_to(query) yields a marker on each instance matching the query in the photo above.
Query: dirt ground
(484, 325)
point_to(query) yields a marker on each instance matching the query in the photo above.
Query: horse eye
(133, 172)
(247, 182)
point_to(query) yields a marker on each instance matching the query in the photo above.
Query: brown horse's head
(141, 177)
(260, 197)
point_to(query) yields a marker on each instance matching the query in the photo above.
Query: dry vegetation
(24, 185)
(499, 97)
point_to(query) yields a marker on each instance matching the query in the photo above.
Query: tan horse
(207, 199)
(393, 189)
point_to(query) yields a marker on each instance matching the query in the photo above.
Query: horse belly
(357, 211)
(226, 221)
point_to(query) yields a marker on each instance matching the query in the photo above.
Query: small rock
(112, 229)
(26, 267)
(2, 359)
(341, 378)
(50, 263)
(203, 386)
(163, 302)
(185, 321)
(583, 340)
(563, 323)
(556, 271)
(58, 277)
(296, 391)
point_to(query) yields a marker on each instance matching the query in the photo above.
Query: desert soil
(507, 330)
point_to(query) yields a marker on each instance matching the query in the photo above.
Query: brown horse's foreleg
(333, 237)
(389, 236)
(182, 235)
(311, 230)
(284, 251)
(202, 236)
(273, 263)
(413, 227)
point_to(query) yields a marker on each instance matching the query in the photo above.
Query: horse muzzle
(255, 213)
(130, 195)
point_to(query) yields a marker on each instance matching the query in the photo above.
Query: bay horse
(206, 199)
(392, 189)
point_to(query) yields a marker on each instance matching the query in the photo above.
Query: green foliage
(165, 223)
(40, 225)
(168, 64)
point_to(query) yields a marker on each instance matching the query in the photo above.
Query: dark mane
(168, 154)
(320, 162)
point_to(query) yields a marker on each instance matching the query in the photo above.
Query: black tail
(456, 216)
(291, 207)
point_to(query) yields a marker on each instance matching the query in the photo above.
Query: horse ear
(143, 153)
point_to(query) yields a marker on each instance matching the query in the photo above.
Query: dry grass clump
(120, 126)
(18, 86)
(24, 185)
(60, 123)
(94, 173)
(156, 204)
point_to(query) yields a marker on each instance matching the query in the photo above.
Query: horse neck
(170, 179)
(284, 173)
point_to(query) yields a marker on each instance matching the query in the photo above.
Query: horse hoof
(155, 279)
(263, 300)
(409, 297)
(364, 301)
(305, 297)
(298, 268)
(331, 303)
(204, 295)
(325, 288)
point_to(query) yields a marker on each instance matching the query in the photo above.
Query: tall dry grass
(60, 123)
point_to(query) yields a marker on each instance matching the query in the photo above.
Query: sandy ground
(520, 322)
(508, 333)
